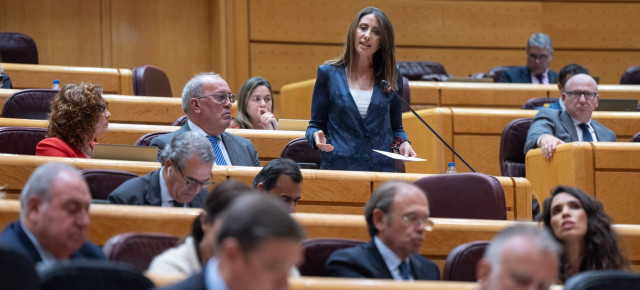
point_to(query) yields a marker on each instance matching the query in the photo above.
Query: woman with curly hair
(78, 116)
(580, 224)
(255, 106)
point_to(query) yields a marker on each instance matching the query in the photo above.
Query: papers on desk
(398, 156)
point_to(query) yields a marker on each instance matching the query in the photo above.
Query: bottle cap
(56, 81)
(452, 164)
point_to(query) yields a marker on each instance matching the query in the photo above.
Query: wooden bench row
(323, 191)
(294, 101)
(109, 220)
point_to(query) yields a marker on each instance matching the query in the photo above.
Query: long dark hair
(384, 60)
(601, 248)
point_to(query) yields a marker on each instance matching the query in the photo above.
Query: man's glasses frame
(220, 98)
(192, 182)
(577, 94)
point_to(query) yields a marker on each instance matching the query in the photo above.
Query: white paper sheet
(398, 156)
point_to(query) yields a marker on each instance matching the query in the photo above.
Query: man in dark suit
(553, 127)
(539, 55)
(520, 257)
(207, 99)
(281, 178)
(257, 244)
(181, 182)
(54, 217)
(397, 217)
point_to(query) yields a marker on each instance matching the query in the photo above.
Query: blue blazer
(365, 261)
(559, 123)
(14, 238)
(334, 111)
(522, 75)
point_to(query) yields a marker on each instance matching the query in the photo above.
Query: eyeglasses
(220, 98)
(577, 94)
(192, 182)
(541, 57)
(416, 220)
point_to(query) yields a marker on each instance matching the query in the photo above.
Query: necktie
(586, 135)
(539, 77)
(404, 271)
(216, 149)
(177, 204)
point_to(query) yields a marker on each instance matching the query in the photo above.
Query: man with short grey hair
(397, 217)
(207, 100)
(520, 257)
(54, 217)
(539, 56)
(182, 181)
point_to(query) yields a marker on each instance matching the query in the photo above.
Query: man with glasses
(397, 217)
(539, 55)
(182, 181)
(207, 100)
(553, 127)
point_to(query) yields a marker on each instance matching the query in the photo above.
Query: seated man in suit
(539, 55)
(182, 181)
(54, 217)
(553, 127)
(520, 257)
(257, 244)
(397, 216)
(207, 99)
(282, 179)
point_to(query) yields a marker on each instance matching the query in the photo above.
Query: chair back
(29, 104)
(180, 121)
(603, 279)
(533, 103)
(21, 140)
(317, 252)
(17, 271)
(146, 139)
(17, 48)
(422, 70)
(631, 76)
(406, 94)
(512, 142)
(635, 138)
(103, 181)
(497, 71)
(92, 274)
(464, 195)
(149, 80)
(460, 264)
(300, 151)
(138, 249)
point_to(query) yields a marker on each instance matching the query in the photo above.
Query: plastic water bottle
(451, 168)
(56, 85)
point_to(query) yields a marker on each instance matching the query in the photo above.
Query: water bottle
(451, 168)
(56, 85)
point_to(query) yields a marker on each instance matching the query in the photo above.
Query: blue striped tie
(586, 135)
(216, 149)
(404, 271)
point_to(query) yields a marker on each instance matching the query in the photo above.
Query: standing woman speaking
(350, 113)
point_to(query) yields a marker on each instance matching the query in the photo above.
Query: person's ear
(260, 186)
(194, 105)
(203, 221)
(34, 205)
(230, 250)
(379, 219)
(483, 268)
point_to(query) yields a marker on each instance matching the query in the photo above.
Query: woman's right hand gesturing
(321, 141)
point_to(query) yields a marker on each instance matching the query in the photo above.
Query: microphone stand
(387, 88)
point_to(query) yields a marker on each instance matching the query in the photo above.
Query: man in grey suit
(182, 181)
(207, 99)
(553, 127)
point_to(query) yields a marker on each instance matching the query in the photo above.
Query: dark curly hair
(601, 248)
(75, 111)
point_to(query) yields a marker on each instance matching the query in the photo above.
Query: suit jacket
(145, 190)
(240, 150)
(559, 124)
(13, 237)
(54, 146)
(365, 261)
(334, 111)
(195, 282)
(523, 75)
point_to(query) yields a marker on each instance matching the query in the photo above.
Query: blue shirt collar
(212, 278)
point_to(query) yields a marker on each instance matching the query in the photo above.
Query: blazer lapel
(152, 193)
(378, 262)
(567, 124)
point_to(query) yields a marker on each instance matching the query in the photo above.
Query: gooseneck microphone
(387, 88)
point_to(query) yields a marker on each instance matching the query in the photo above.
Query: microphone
(386, 87)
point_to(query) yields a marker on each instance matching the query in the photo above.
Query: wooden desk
(608, 171)
(323, 191)
(38, 76)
